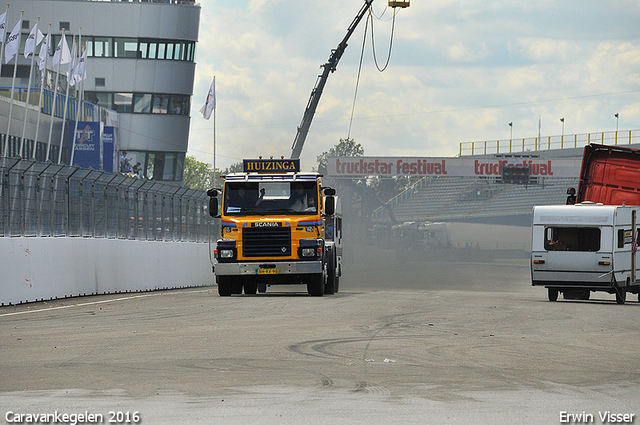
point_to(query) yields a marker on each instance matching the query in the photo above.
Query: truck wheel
(553, 294)
(315, 285)
(262, 288)
(236, 287)
(250, 288)
(621, 294)
(224, 286)
(330, 287)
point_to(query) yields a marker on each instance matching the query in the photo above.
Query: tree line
(372, 192)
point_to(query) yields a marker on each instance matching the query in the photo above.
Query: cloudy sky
(460, 71)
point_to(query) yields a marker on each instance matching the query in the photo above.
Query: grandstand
(480, 199)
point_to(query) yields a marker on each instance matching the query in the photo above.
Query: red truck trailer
(610, 175)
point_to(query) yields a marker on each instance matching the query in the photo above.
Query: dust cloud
(480, 257)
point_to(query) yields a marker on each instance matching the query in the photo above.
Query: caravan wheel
(553, 294)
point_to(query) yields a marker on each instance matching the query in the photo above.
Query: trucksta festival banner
(449, 167)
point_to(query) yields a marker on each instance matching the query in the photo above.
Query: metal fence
(533, 144)
(43, 199)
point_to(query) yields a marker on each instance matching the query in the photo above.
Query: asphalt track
(412, 343)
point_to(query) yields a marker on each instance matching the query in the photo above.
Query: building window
(123, 102)
(170, 47)
(102, 47)
(153, 49)
(100, 82)
(160, 104)
(99, 98)
(126, 48)
(25, 24)
(176, 105)
(142, 103)
(167, 166)
(144, 48)
(169, 172)
(64, 26)
(161, 50)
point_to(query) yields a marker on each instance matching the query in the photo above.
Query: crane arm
(316, 93)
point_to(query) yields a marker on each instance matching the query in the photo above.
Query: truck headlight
(308, 252)
(226, 253)
(225, 250)
(311, 248)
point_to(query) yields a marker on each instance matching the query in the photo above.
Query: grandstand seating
(451, 198)
(485, 199)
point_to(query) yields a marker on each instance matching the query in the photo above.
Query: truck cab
(274, 230)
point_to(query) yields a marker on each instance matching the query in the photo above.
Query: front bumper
(274, 268)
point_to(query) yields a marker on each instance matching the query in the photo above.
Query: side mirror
(213, 206)
(329, 191)
(212, 193)
(329, 205)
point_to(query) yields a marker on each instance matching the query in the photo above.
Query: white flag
(35, 37)
(3, 22)
(13, 43)
(44, 51)
(62, 54)
(210, 104)
(80, 73)
(72, 65)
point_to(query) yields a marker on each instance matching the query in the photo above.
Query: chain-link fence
(45, 199)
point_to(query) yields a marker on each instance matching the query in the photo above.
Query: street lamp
(617, 118)
(562, 137)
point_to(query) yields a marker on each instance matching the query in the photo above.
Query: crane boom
(330, 66)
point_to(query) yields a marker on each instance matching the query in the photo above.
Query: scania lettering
(278, 226)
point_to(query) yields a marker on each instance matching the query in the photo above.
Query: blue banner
(87, 144)
(108, 149)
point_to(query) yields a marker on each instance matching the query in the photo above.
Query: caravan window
(572, 239)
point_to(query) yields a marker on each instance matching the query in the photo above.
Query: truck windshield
(572, 239)
(270, 197)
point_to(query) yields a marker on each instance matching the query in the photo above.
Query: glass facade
(165, 166)
(137, 48)
(141, 103)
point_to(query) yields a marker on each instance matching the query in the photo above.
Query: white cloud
(459, 71)
(548, 50)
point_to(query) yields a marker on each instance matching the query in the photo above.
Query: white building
(141, 64)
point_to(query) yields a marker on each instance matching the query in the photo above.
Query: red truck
(610, 175)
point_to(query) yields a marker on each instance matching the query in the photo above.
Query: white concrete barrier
(34, 269)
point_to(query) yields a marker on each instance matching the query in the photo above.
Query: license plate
(267, 271)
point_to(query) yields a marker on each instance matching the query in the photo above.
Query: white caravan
(576, 249)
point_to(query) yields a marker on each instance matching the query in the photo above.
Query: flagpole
(214, 147)
(26, 109)
(55, 95)
(4, 32)
(47, 40)
(4, 36)
(13, 84)
(79, 100)
(66, 98)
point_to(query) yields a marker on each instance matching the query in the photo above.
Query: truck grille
(266, 241)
